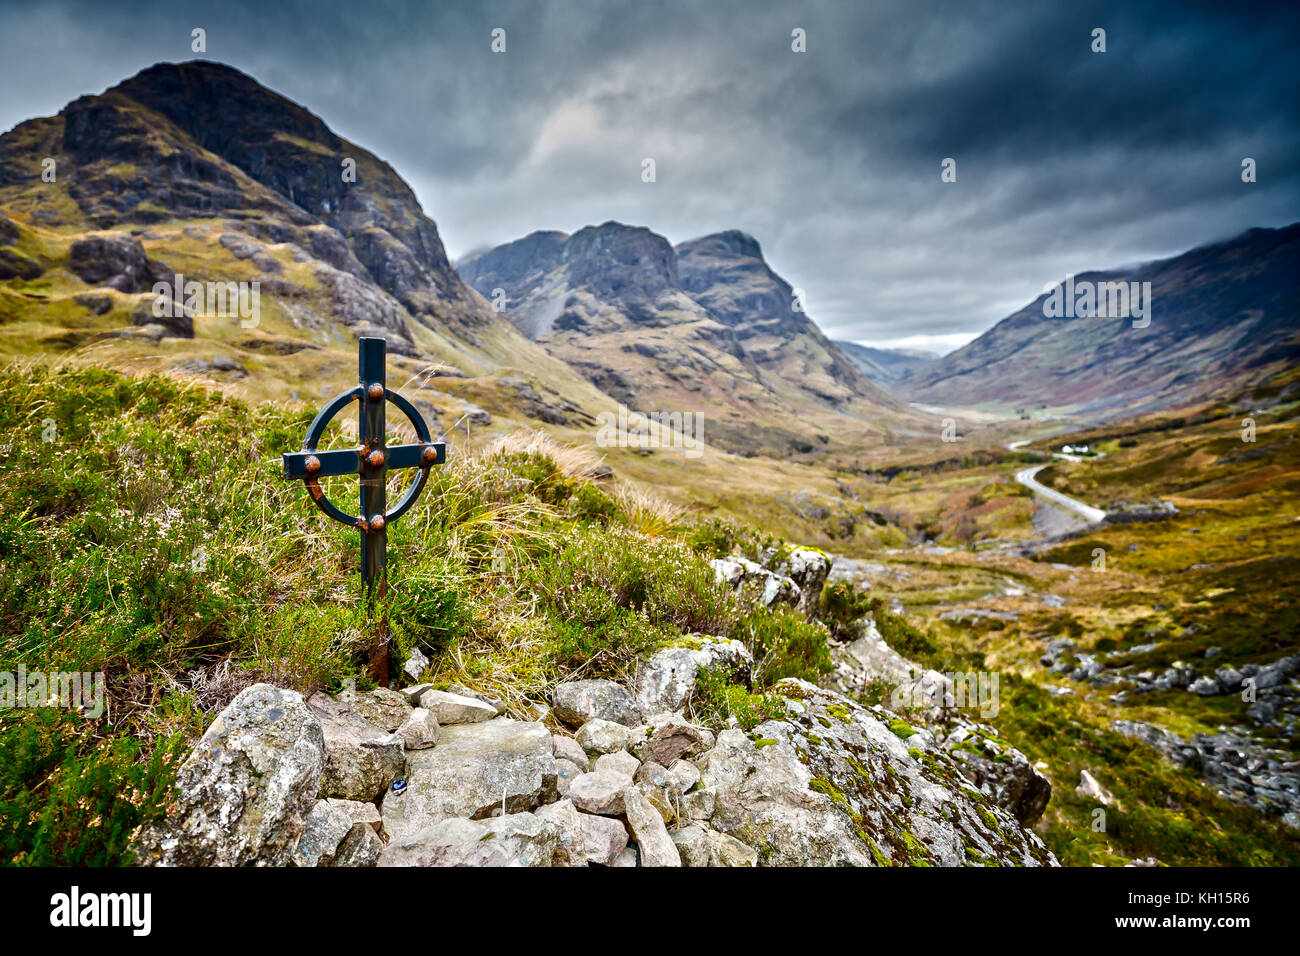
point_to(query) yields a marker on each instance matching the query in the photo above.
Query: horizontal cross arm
(343, 461)
(413, 456)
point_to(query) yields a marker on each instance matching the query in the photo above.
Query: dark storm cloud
(1067, 160)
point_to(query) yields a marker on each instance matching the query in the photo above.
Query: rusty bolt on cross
(371, 460)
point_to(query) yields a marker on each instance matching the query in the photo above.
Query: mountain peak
(729, 241)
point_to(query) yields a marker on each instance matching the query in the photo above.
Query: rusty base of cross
(372, 459)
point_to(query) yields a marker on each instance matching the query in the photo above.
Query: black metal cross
(372, 460)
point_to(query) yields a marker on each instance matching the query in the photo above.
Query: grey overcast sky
(1066, 159)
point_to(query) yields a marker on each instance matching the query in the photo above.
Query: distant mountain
(1223, 316)
(885, 366)
(196, 170)
(707, 326)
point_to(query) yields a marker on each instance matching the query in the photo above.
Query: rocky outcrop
(667, 681)
(999, 771)
(244, 794)
(586, 837)
(868, 659)
(1241, 769)
(835, 783)
(745, 576)
(807, 568)
(823, 781)
(116, 261)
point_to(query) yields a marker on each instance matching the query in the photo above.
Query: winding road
(1026, 477)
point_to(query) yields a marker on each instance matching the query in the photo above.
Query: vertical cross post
(374, 496)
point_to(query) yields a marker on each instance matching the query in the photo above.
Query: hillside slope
(1223, 317)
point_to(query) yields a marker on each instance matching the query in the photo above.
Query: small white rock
(619, 762)
(570, 749)
(603, 737)
(420, 730)
(455, 709)
(600, 792)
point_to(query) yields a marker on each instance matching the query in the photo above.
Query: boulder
(684, 774)
(835, 783)
(726, 850)
(474, 771)
(577, 702)
(654, 775)
(603, 737)
(1205, 686)
(518, 839)
(566, 771)
(692, 845)
(660, 799)
(807, 568)
(588, 838)
(361, 759)
(669, 737)
(412, 693)
(697, 805)
(420, 730)
(654, 845)
(244, 793)
(113, 260)
(451, 708)
(675, 780)
(360, 812)
(667, 681)
(361, 847)
(600, 791)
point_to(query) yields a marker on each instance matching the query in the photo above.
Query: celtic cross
(372, 459)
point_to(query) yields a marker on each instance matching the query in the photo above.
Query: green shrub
(661, 578)
(909, 640)
(69, 799)
(841, 605)
(784, 644)
(717, 700)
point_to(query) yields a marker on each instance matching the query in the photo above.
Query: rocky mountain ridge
(1222, 317)
(195, 173)
(705, 326)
